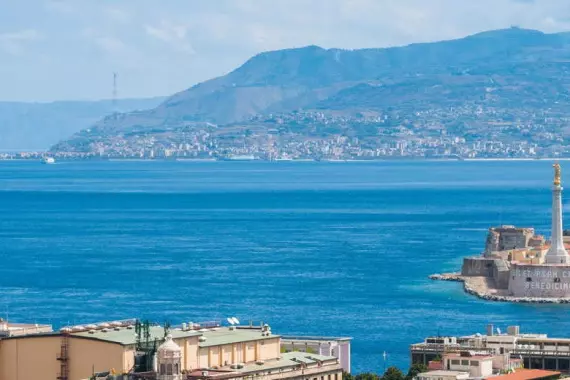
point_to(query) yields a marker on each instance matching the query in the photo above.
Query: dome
(169, 345)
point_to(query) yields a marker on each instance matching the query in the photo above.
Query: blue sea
(341, 249)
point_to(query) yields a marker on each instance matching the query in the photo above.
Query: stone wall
(508, 237)
(477, 266)
(501, 274)
(539, 281)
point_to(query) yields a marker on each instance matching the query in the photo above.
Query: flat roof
(214, 336)
(8, 329)
(287, 360)
(316, 338)
(223, 335)
(126, 336)
(526, 374)
(443, 373)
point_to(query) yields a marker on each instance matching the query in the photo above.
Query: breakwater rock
(478, 287)
(447, 277)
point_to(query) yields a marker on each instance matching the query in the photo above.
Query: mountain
(37, 126)
(507, 70)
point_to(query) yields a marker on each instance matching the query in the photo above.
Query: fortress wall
(477, 266)
(501, 277)
(539, 281)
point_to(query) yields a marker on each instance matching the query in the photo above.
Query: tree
(393, 373)
(367, 376)
(415, 369)
(347, 376)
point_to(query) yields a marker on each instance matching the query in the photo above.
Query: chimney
(490, 330)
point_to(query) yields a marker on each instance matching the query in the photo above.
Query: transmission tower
(114, 93)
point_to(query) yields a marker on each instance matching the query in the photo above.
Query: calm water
(313, 248)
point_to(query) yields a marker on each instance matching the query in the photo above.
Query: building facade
(536, 351)
(119, 347)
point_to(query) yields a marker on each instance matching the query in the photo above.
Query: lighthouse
(557, 254)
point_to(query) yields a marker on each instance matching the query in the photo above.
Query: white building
(476, 365)
(443, 375)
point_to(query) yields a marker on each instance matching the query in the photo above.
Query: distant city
(489, 133)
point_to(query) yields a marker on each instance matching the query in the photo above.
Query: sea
(312, 248)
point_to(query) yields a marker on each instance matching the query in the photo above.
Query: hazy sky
(68, 49)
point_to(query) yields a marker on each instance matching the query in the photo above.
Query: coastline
(380, 159)
(478, 287)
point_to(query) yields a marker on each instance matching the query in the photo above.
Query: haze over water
(340, 249)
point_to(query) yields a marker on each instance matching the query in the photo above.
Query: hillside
(37, 126)
(514, 72)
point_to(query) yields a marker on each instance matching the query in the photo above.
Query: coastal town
(463, 132)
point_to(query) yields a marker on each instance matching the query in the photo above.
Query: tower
(114, 93)
(557, 253)
(168, 360)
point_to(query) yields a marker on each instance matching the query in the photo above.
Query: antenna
(114, 93)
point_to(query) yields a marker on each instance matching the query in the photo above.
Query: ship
(239, 158)
(48, 160)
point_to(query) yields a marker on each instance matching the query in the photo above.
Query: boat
(48, 160)
(245, 157)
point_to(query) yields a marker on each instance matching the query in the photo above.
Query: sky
(69, 49)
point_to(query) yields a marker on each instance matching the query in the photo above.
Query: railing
(422, 347)
(539, 352)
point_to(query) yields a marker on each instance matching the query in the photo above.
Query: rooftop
(127, 336)
(443, 373)
(316, 338)
(8, 329)
(290, 360)
(526, 374)
(213, 336)
(223, 335)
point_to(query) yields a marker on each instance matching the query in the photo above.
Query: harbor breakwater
(478, 287)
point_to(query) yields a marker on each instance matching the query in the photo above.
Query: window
(169, 369)
(474, 364)
(162, 369)
(465, 362)
(455, 362)
(176, 371)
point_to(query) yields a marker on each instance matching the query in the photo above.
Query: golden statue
(556, 174)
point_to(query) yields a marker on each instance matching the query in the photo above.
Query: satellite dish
(498, 331)
(230, 321)
(236, 321)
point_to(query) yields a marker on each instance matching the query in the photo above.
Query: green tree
(347, 376)
(415, 369)
(393, 373)
(367, 376)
